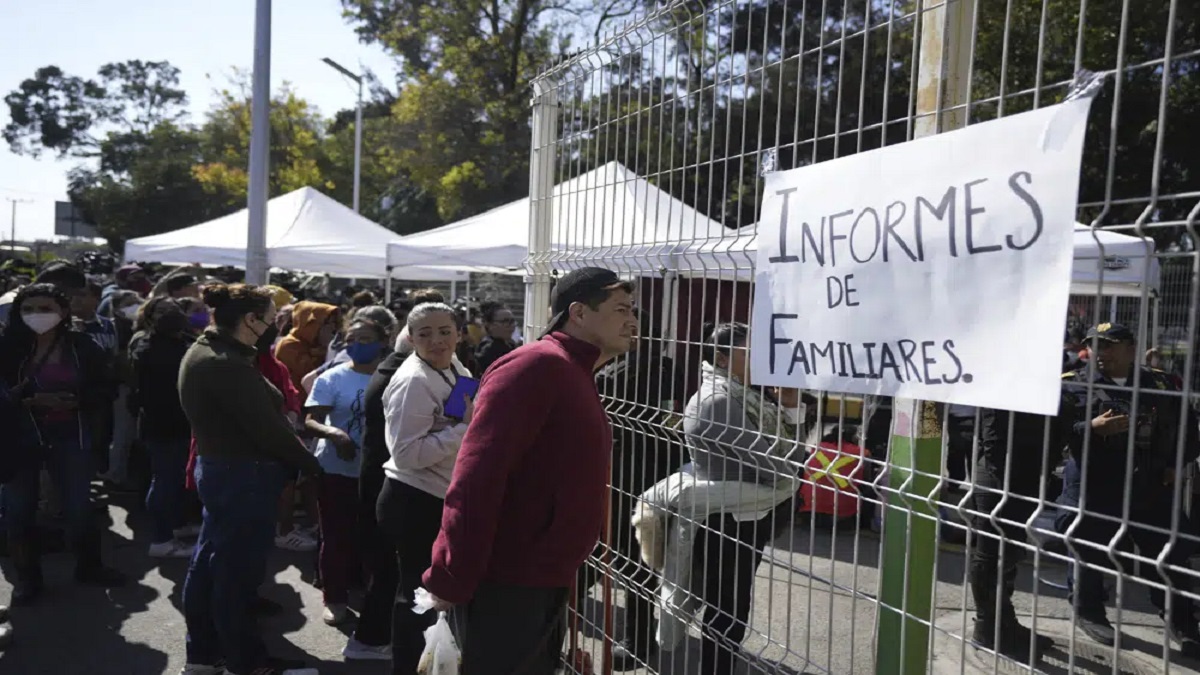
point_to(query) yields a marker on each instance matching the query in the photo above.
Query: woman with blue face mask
(335, 411)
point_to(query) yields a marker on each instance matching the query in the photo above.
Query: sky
(203, 39)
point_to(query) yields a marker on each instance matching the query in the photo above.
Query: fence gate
(889, 537)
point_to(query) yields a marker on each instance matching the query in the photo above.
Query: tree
(297, 145)
(70, 115)
(152, 190)
(463, 106)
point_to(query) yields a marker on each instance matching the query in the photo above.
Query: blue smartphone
(464, 387)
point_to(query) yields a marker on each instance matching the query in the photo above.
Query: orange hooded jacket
(299, 350)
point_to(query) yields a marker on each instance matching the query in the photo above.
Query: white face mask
(130, 312)
(42, 322)
(794, 416)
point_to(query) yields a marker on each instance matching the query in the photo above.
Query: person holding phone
(423, 439)
(55, 387)
(335, 410)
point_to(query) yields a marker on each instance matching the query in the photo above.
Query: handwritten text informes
(937, 269)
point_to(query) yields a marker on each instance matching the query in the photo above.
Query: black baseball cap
(1112, 332)
(577, 286)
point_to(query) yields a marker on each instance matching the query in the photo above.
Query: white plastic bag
(441, 655)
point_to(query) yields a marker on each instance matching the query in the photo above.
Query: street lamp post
(357, 124)
(260, 133)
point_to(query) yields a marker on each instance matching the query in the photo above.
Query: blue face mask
(363, 352)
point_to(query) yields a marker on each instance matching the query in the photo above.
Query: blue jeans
(240, 499)
(165, 500)
(69, 460)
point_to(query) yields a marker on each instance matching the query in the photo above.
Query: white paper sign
(938, 269)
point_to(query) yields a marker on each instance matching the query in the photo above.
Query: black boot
(635, 650)
(1015, 639)
(27, 566)
(90, 571)
(1095, 624)
(1186, 632)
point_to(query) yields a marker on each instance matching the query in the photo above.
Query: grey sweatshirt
(422, 441)
(723, 444)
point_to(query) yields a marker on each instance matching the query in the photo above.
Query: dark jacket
(95, 394)
(644, 396)
(527, 500)
(1155, 432)
(233, 410)
(489, 351)
(374, 438)
(156, 360)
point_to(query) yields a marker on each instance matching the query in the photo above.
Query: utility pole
(260, 132)
(12, 243)
(358, 79)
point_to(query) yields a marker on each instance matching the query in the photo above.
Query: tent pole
(387, 286)
(453, 290)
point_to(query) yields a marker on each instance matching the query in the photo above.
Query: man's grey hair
(425, 309)
(379, 314)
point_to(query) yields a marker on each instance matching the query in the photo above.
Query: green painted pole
(910, 544)
(910, 547)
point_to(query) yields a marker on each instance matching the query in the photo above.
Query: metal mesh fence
(803, 553)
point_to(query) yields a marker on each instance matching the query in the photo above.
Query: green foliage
(463, 109)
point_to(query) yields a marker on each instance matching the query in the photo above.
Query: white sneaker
(313, 532)
(357, 651)
(172, 549)
(187, 531)
(294, 541)
(335, 614)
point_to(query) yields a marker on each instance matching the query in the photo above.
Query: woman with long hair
(157, 355)
(55, 387)
(423, 445)
(335, 410)
(246, 450)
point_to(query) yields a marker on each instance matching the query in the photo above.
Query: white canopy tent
(609, 216)
(1127, 262)
(492, 241)
(306, 230)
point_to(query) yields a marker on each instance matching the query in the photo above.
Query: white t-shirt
(340, 388)
(422, 442)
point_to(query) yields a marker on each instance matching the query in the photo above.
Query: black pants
(511, 630)
(630, 575)
(411, 518)
(379, 558)
(727, 552)
(961, 436)
(994, 557)
(1150, 509)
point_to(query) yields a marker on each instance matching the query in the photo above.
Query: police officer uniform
(1023, 454)
(1155, 427)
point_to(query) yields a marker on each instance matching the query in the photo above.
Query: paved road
(798, 623)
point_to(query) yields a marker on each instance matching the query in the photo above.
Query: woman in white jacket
(423, 443)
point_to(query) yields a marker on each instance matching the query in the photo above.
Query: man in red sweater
(527, 498)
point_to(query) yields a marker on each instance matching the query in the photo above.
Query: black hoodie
(156, 361)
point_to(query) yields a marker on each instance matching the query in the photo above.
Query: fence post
(910, 544)
(538, 268)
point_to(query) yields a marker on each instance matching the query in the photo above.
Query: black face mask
(267, 339)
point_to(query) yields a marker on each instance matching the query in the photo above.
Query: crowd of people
(429, 448)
